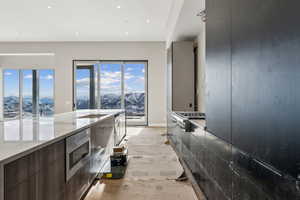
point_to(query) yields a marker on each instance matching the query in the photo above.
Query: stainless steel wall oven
(78, 150)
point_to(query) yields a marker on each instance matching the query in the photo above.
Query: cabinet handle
(232, 169)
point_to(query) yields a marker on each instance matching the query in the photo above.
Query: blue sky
(11, 83)
(111, 79)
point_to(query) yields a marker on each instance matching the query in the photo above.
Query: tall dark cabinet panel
(265, 80)
(218, 100)
(218, 71)
(265, 97)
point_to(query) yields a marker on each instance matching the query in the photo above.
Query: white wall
(66, 52)
(201, 71)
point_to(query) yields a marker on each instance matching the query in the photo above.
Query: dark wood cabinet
(37, 176)
(79, 183)
(265, 101)
(252, 98)
(218, 70)
(25, 190)
(21, 170)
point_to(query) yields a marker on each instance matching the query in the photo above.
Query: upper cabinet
(181, 82)
(218, 68)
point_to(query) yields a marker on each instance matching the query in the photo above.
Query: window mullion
(20, 94)
(99, 85)
(35, 93)
(122, 85)
(1, 95)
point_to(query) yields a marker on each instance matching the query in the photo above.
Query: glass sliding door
(11, 94)
(135, 91)
(27, 93)
(111, 86)
(84, 87)
(46, 92)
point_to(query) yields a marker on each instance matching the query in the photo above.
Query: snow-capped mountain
(134, 103)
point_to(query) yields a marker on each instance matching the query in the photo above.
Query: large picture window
(112, 85)
(46, 92)
(11, 101)
(28, 93)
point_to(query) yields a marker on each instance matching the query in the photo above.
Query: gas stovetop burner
(191, 115)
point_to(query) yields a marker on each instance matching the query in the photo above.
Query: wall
(65, 52)
(201, 70)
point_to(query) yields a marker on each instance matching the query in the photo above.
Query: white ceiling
(84, 20)
(188, 25)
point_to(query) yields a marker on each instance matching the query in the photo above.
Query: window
(46, 92)
(112, 85)
(28, 93)
(11, 94)
(135, 91)
(83, 83)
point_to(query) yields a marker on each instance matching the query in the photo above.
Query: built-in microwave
(78, 151)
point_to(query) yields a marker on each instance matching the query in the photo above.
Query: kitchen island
(35, 161)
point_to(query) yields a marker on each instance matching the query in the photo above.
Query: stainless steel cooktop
(191, 115)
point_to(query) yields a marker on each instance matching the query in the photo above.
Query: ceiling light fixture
(126, 33)
(27, 54)
(77, 33)
(49, 7)
(119, 7)
(148, 21)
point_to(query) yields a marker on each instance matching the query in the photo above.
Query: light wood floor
(150, 175)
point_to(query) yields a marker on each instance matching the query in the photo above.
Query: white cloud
(48, 77)
(108, 81)
(128, 76)
(129, 69)
(7, 73)
(83, 81)
(143, 70)
(111, 74)
(29, 76)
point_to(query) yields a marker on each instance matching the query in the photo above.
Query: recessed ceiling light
(119, 7)
(148, 21)
(76, 33)
(49, 7)
(126, 33)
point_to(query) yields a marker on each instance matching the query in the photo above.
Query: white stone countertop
(20, 137)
